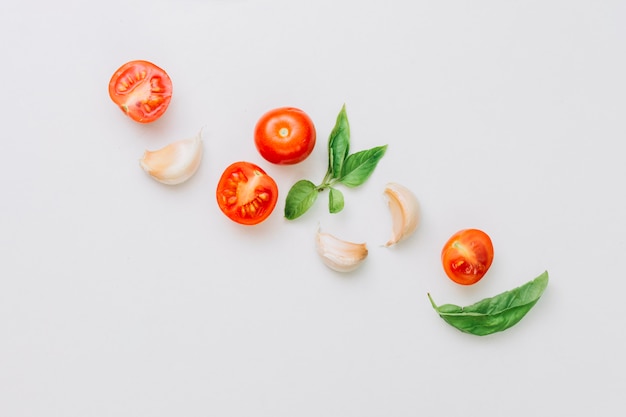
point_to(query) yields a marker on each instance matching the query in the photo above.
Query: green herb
(351, 170)
(497, 313)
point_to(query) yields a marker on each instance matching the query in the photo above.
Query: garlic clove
(175, 163)
(405, 212)
(340, 255)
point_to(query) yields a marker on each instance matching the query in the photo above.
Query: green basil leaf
(497, 313)
(338, 144)
(300, 198)
(335, 200)
(359, 166)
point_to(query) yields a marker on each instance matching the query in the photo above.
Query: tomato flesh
(285, 136)
(467, 256)
(246, 194)
(142, 90)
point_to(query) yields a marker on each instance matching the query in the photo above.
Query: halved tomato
(142, 90)
(467, 256)
(246, 194)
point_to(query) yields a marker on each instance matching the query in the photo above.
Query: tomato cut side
(285, 136)
(246, 194)
(142, 90)
(467, 256)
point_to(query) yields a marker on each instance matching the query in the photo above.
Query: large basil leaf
(338, 144)
(359, 166)
(497, 313)
(300, 198)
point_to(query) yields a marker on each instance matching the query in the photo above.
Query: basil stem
(343, 168)
(497, 313)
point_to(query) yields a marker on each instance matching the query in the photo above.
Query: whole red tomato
(467, 256)
(246, 194)
(285, 136)
(142, 90)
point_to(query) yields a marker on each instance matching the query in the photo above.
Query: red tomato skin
(246, 194)
(142, 90)
(285, 136)
(467, 256)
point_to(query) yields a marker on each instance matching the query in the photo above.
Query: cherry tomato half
(285, 136)
(142, 90)
(246, 194)
(467, 256)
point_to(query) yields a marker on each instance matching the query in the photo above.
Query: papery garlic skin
(405, 212)
(340, 255)
(175, 163)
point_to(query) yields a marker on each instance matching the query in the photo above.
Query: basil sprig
(344, 168)
(497, 313)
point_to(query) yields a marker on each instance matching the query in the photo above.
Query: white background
(120, 296)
